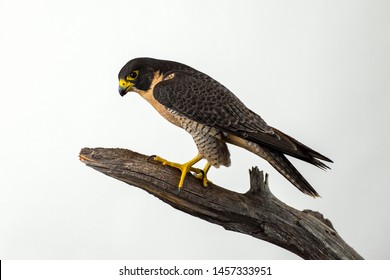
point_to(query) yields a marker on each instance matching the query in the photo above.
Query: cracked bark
(257, 212)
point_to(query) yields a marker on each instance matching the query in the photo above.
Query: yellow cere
(124, 83)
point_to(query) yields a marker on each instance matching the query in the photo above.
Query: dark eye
(132, 75)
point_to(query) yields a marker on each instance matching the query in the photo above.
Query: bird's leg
(184, 168)
(202, 174)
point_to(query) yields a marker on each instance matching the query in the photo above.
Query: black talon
(151, 157)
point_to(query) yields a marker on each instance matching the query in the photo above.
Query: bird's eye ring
(133, 75)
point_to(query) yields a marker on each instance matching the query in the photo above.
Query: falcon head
(137, 75)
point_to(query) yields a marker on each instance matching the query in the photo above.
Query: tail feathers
(285, 167)
(304, 152)
(319, 164)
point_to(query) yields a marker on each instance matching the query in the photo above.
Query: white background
(317, 70)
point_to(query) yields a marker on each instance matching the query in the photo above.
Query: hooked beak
(124, 87)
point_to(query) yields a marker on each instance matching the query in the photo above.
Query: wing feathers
(199, 97)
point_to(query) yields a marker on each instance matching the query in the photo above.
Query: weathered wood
(257, 213)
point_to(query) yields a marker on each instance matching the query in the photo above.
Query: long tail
(279, 161)
(303, 152)
(285, 167)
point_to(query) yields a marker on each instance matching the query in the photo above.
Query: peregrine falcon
(213, 116)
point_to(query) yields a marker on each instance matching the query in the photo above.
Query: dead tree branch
(257, 213)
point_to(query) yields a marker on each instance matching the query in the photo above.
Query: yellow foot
(202, 174)
(184, 168)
